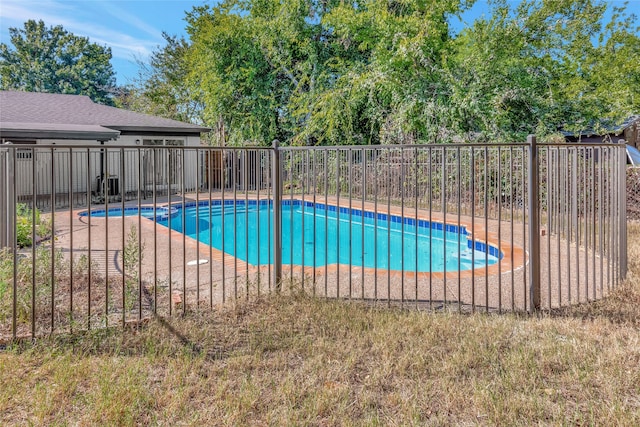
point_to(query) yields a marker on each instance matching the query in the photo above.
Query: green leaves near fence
(30, 225)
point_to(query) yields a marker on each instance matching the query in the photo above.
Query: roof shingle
(58, 109)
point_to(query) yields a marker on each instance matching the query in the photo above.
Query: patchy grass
(298, 360)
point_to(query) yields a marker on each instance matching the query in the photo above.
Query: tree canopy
(50, 59)
(393, 71)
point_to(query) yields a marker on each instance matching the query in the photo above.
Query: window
(163, 167)
(153, 142)
(24, 154)
(173, 142)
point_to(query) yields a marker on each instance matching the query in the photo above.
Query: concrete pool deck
(168, 261)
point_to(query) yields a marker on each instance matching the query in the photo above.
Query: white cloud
(86, 19)
(121, 14)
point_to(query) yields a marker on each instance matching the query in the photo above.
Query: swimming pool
(319, 235)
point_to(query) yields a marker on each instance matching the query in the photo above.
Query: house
(32, 119)
(629, 130)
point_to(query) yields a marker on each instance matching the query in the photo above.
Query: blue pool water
(341, 236)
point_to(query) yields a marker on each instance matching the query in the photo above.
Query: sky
(132, 28)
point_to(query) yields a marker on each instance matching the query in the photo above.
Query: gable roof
(50, 115)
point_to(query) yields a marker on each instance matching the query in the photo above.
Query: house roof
(607, 128)
(55, 131)
(628, 122)
(50, 115)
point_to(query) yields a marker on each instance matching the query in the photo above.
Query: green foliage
(6, 274)
(25, 225)
(133, 252)
(132, 255)
(161, 88)
(527, 69)
(311, 72)
(615, 68)
(239, 85)
(53, 60)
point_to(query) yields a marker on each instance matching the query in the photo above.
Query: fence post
(4, 198)
(534, 225)
(11, 196)
(276, 179)
(623, 209)
(7, 205)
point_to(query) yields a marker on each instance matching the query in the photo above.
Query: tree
(161, 88)
(320, 72)
(250, 61)
(615, 68)
(56, 61)
(537, 67)
(391, 72)
(331, 72)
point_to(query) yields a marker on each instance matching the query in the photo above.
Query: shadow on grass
(194, 335)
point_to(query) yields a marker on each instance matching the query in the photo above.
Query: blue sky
(132, 28)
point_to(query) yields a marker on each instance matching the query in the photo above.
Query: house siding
(84, 167)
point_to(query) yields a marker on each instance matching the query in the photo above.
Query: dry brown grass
(623, 305)
(286, 360)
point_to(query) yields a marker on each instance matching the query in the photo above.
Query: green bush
(24, 225)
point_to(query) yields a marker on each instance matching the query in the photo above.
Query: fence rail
(93, 236)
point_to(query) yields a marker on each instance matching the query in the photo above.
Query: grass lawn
(287, 360)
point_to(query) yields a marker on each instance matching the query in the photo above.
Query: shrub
(132, 254)
(24, 225)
